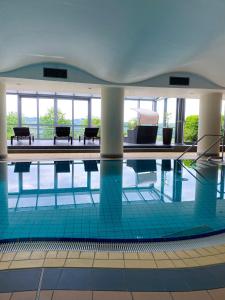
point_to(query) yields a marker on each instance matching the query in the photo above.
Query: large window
(46, 118)
(29, 114)
(191, 120)
(80, 119)
(171, 114)
(96, 112)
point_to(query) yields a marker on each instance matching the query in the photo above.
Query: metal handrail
(196, 142)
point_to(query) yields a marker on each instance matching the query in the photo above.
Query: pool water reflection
(110, 200)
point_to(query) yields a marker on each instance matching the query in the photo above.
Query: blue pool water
(111, 200)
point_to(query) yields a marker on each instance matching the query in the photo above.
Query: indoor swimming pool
(111, 200)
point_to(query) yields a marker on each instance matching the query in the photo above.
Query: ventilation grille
(55, 73)
(183, 81)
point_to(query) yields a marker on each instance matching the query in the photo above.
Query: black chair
(90, 165)
(21, 133)
(62, 166)
(22, 167)
(90, 133)
(63, 133)
(142, 134)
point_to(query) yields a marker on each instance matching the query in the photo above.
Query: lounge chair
(21, 133)
(90, 133)
(63, 133)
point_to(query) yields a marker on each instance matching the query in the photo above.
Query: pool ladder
(220, 137)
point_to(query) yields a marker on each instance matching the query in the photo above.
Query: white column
(3, 134)
(112, 106)
(209, 122)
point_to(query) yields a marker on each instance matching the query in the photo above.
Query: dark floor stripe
(133, 280)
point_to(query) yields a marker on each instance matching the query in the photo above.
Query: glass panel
(64, 199)
(147, 104)
(191, 120)
(80, 117)
(160, 110)
(130, 115)
(96, 112)
(46, 118)
(27, 201)
(12, 113)
(29, 114)
(64, 112)
(64, 180)
(171, 114)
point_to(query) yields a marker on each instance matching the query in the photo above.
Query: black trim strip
(133, 280)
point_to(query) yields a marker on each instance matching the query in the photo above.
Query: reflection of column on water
(3, 196)
(111, 190)
(177, 181)
(206, 190)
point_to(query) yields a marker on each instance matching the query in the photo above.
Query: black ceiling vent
(55, 73)
(184, 81)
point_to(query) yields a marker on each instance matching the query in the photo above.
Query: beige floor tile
(89, 255)
(190, 262)
(22, 264)
(5, 296)
(24, 296)
(45, 295)
(8, 256)
(212, 250)
(198, 295)
(22, 255)
(164, 264)
(218, 294)
(38, 255)
(160, 255)
(72, 295)
(28, 263)
(4, 265)
(172, 255)
(178, 263)
(151, 296)
(192, 253)
(207, 260)
(103, 263)
(145, 255)
(54, 262)
(112, 296)
(116, 255)
(183, 254)
(78, 263)
(73, 254)
(51, 254)
(101, 255)
(139, 263)
(220, 248)
(62, 254)
(132, 255)
(203, 251)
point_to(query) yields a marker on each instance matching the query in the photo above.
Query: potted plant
(167, 131)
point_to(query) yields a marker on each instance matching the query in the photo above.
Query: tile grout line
(39, 285)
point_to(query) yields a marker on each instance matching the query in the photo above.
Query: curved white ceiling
(121, 41)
